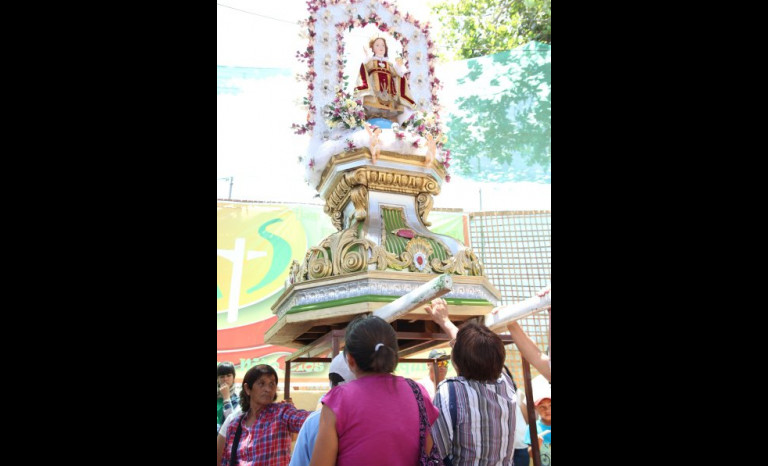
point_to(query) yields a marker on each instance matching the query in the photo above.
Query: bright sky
(255, 143)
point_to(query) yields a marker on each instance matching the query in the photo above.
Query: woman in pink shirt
(373, 420)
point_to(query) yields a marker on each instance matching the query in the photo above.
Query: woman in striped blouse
(477, 408)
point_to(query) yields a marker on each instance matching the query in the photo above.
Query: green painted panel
(396, 245)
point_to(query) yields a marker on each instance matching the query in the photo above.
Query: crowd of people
(371, 416)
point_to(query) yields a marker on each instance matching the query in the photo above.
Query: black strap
(233, 455)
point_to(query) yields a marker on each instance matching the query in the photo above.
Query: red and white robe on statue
(383, 84)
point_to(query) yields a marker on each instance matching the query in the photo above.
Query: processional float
(376, 157)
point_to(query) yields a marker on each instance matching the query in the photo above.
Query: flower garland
(423, 123)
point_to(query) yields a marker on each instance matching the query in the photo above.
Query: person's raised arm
(438, 310)
(529, 350)
(400, 68)
(229, 407)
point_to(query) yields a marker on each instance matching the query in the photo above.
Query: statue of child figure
(382, 84)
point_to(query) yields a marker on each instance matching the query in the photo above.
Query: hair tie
(378, 345)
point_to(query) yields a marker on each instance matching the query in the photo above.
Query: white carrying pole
(422, 295)
(517, 311)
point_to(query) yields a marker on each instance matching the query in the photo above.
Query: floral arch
(324, 56)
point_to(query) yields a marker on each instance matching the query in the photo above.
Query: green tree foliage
(474, 28)
(501, 127)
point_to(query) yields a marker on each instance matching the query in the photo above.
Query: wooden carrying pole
(531, 413)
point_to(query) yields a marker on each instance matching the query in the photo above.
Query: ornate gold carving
(387, 180)
(364, 153)
(386, 260)
(465, 262)
(359, 197)
(348, 251)
(317, 263)
(408, 258)
(424, 203)
(348, 254)
(418, 246)
(336, 217)
(398, 182)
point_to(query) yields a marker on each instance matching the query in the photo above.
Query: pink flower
(447, 178)
(416, 143)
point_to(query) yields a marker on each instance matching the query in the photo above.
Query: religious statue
(381, 83)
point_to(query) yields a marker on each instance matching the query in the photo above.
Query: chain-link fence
(516, 251)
